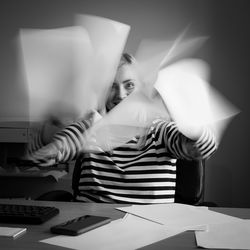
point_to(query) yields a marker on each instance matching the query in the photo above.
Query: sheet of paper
(178, 215)
(233, 235)
(108, 38)
(131, 117)
(131, 232)
(69, 70)
(191, 100)
(50, 61)
(153, 55)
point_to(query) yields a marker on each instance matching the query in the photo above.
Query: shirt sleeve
(70, 140)
(179, 146)
(68, 143)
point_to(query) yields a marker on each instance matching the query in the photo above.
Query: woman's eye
(130, 86)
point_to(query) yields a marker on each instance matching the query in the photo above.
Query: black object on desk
(80, 225)
(26, 214)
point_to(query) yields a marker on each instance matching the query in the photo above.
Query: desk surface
(70, 210)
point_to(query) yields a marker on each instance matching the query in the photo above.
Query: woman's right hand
(46, 156)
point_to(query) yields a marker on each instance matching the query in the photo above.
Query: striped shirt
(135, 172)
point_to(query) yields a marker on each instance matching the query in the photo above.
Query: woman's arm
(65, 145)
(180, 146)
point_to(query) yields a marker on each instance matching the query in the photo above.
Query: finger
(47, 164)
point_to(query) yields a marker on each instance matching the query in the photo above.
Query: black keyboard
(26, 214)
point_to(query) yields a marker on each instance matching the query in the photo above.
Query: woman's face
(126, 81)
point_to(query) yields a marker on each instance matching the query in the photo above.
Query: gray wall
(228, 171)
(226, 22)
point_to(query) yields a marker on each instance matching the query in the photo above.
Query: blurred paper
(69, 70)
(51, 61)
(177, 215)
(153, 55)
(108, 39)
(184, 84)
(233, 235)
(182, 49)
(184, 87)
(191, 100)
(128, 233)
(132, 117)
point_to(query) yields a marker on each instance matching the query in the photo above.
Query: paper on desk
(130, 232)
(178, 215)
(233, 235)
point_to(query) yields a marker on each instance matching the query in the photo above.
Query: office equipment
(69, 210)
(80, 225)
(12, 232)
(26, 214)
(233, 235)
(14, 136)
(20, 178)
(15, 131)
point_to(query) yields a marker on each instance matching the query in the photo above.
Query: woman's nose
(121, 92)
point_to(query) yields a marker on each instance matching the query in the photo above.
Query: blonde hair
(126, 59)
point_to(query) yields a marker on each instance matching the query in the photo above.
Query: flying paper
(173, 88)
(192, 102)
(132, 117)
(69, 70)
(54, 81)
(108, 39)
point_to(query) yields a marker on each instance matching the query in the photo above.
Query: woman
(133, 173)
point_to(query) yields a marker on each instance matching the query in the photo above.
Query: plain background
(226, 22)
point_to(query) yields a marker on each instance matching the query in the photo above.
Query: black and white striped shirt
(134, 173)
